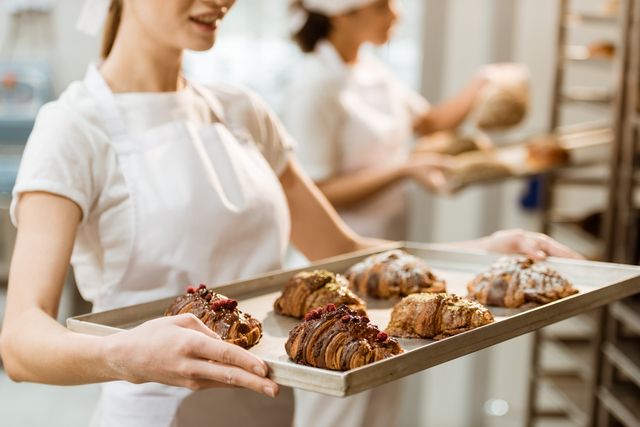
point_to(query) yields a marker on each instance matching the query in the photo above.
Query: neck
(346, 46)
(138, 63)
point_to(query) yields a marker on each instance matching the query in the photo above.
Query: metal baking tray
(599, 284)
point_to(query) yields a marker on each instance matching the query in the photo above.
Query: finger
(443, 162)
(556, 249)
(438, 181)
(232, 375)
(530, 247)
(219, 350)
(205, 384)
(230, 354)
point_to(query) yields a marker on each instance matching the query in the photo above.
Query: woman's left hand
(537, 245)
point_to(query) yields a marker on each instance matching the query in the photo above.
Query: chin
(382, 41)
(200, 44)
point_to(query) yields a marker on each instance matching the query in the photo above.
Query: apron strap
(106, 101)
(217, 111)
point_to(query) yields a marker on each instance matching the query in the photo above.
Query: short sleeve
(313, 114)
(245, 107)
(56, 159)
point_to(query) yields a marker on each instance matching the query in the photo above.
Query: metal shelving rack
(566, 391)
(618, 393)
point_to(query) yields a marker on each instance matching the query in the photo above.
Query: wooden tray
(599, 284)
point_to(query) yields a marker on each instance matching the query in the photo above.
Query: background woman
(148, 184)
(355, 120)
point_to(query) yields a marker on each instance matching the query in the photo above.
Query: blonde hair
(111, 27)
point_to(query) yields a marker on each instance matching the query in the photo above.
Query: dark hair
(111, 27)
(315, 29)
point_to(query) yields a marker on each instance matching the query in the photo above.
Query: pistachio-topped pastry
(519, 281)
(306, 291)
(436, 316)
(220, 314)
(339, 339)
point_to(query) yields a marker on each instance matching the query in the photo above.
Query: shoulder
(69, 130)
(74, 114)
(67, 150)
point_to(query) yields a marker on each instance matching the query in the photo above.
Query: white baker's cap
(324, 7)
(335, 7)
(92, 16)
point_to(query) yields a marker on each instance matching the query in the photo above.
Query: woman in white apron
(148, 184)
(355, 120)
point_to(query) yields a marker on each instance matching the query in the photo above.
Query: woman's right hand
(181, 351)
(427, 169)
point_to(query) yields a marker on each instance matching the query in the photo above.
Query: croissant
(306, 291)
(519, 281)
(219, 314)
(393, 274)
(436, 316)
(339, 339)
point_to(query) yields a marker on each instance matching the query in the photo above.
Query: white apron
(207, 208)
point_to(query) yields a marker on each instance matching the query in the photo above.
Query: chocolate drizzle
(393, 274)
(327, 342)
(219, 314)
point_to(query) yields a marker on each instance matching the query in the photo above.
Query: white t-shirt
(350, 118)
(68, 154)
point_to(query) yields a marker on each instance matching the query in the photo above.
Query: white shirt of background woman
(349, 118)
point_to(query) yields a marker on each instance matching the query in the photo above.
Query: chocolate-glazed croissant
(306, 291)
(436, 316)
(393, 274)
(339, 339)
(219, 314)
(519, 281)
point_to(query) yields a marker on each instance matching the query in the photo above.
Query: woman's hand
(538, 246)
(181, 351)
(427, 169)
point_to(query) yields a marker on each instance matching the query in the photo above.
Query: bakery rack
(564, 376)
(618, 392)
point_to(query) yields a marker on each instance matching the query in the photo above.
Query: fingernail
(259, 371)
(269, 391)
